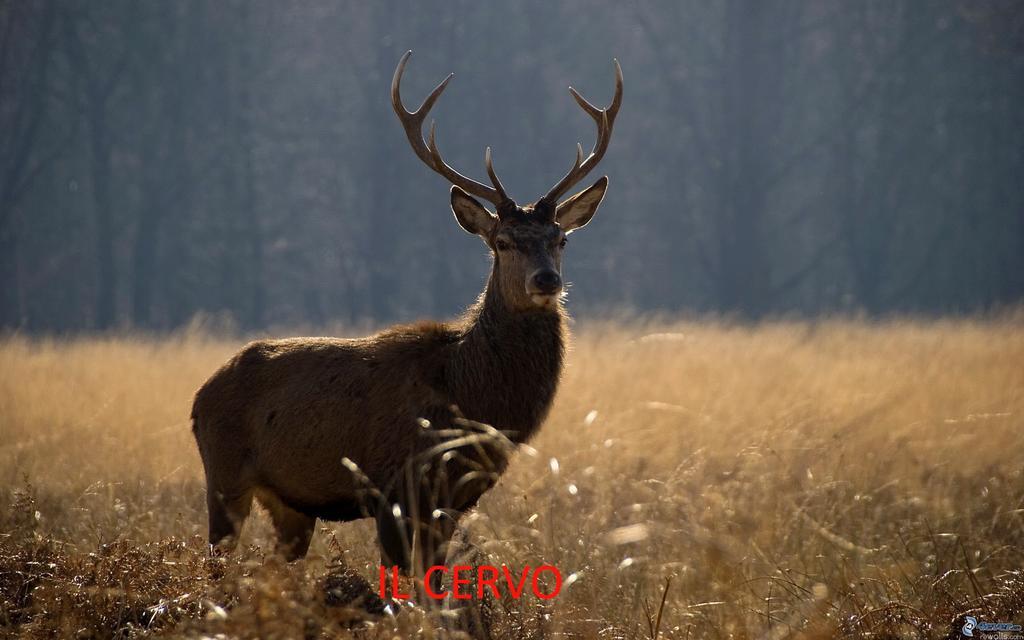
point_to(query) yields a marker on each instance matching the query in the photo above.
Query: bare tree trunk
(99, 146)
(253, 230)
(743, 274)
(94, 92)
(144, 248)
(20, 138)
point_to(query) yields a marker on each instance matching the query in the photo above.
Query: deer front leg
(394, 536)
(432, 544)
(414, 544)
(414, 530)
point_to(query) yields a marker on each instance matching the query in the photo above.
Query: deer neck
(508, 363)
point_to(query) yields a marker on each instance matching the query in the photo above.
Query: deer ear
(577, 211)
(472, 215)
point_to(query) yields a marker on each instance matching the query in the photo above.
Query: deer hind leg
(294, 529)
(227, 513)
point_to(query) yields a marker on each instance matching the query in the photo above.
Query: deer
(412, 425)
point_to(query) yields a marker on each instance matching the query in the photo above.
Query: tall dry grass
(791, 480)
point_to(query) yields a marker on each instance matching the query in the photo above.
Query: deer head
(526, 241)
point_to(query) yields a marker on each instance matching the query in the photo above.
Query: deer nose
(547, 281)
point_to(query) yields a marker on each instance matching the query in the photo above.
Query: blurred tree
(241, 158)
(98, 66)
(27, 41)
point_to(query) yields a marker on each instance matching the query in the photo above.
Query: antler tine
(493, 176)
(496, 195)
(412, 122)
(579, 156)
(605, 120)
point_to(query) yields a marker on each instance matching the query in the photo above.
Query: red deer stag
(395, 426)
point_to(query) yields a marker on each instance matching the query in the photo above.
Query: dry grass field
(829, 479)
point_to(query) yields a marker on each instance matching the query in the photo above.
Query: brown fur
(277, 421)
(410, 426)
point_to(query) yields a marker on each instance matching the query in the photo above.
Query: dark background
(160, 160)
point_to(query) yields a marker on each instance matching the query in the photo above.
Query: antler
(412, 122)
(605, 120)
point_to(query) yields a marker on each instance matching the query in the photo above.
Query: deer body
(289, 411)
(412, 425)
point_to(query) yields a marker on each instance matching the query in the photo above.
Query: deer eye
(502, 245)
(564, 242)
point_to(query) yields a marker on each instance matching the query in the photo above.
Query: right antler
(605, 120)
(412, 122)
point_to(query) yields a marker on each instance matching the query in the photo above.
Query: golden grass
(795, 479)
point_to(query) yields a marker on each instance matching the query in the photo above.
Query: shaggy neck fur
(507, 365)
